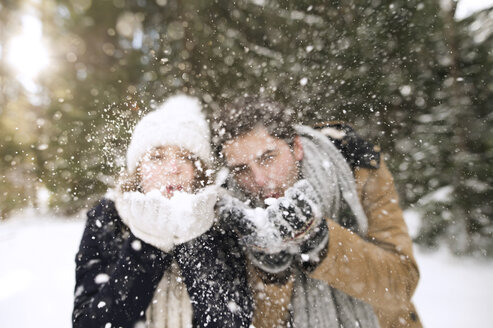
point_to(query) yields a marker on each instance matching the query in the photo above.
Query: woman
(153, 255)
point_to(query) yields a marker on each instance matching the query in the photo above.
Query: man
(319, 216)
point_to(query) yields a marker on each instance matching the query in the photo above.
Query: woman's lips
(172, 188)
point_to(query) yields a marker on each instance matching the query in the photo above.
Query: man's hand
(233, 212)
(290, 225)
(277, 265)
(252, 224)
(296, 213)
(282, 226)
(314, 247)
(301, 224)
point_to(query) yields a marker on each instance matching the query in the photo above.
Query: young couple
(302, 229)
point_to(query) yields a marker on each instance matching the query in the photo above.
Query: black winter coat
(117, 274)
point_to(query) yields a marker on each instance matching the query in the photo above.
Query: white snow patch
(233, 307)
(413, 221)
(37, 256)
(136, 245)
(453, 291)
(260, 3)
(405, 90)
(441, 195)
(14, 282)
(101, 278)
(466, 8)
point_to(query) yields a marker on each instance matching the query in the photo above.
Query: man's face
(262, 165)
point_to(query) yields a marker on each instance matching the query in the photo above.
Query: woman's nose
(171, 167)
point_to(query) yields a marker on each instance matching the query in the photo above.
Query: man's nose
(259, 176)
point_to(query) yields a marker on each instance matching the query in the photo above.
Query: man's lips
(272, 195)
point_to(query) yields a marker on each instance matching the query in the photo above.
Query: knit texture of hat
(180, 122)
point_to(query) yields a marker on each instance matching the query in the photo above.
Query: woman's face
(167, 169)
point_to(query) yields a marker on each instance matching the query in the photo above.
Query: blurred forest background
(404, 73)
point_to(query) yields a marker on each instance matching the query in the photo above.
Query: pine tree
(403, 72)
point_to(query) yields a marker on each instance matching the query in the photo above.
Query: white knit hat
(179, 121)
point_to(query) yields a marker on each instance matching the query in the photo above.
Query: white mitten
(164, 222)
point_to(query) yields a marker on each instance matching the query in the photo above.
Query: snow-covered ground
(37, 278)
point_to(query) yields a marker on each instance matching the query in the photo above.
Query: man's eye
(267, 159)
(239, 170)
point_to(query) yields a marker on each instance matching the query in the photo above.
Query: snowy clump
(267, 234)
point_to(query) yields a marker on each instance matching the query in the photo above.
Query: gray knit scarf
(329, 173)
(315, 303)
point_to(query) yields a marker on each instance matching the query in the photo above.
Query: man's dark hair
(245, 113)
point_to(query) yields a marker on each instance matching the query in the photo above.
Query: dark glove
(301, 225)
(233, 214)
(296, 214)
(271, 263)
(236, 215)
(282, 226)
(314, 247)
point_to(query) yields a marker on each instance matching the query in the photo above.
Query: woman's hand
(164, 222)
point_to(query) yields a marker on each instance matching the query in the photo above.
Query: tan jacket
(379, 269)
